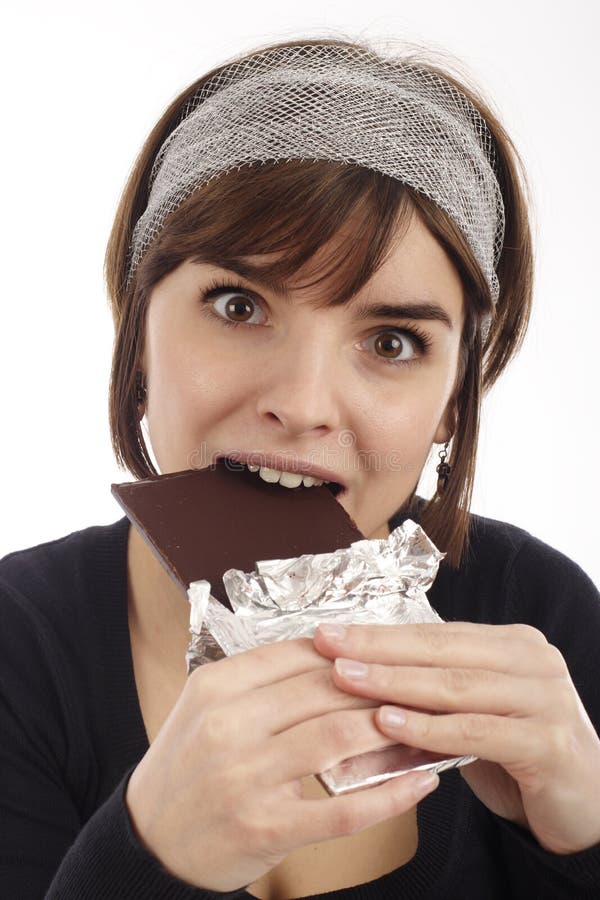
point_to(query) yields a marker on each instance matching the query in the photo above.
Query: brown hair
(297, 207)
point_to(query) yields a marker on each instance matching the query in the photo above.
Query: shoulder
(59, 602)
(65, 563)
(50, 592)
(523, 558)
(509, 575)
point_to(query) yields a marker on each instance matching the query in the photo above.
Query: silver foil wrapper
(372, 581)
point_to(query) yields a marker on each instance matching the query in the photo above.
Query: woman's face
(350, 393)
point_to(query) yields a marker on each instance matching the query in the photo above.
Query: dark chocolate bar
(202, 522)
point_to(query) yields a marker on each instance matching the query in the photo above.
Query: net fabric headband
(326, 102)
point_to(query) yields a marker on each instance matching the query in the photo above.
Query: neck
(381, 533)
(159, 612)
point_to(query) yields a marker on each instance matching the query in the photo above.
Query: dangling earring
(444, 470)
(140, 392)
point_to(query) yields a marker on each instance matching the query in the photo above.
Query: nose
(301, 391)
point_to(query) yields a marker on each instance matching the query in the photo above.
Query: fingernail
(392, 717)
(352, 669)
(333, 632)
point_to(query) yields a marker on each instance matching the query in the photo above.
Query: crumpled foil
(372, 581)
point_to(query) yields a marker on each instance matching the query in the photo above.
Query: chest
(317, 868)
(340, 863)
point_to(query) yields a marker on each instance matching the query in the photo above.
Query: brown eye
(388, 344)
(234, 307)
(394, 346)
(239, 309)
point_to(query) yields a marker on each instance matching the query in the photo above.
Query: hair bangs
(338, 220)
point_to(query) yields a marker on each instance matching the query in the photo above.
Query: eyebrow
(411, 310)
(431, 311)
(250, 273)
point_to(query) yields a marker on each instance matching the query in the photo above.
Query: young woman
(320, 263)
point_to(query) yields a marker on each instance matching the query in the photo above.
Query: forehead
(415, 270)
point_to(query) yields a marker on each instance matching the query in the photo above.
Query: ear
(447, 424)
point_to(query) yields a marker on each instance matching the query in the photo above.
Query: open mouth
(290, 480)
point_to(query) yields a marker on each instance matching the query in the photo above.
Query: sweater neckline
(440, 816)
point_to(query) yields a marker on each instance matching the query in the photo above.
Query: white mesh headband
(325, 102)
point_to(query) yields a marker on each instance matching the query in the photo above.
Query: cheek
(407, 418)
(184, 370)
(188, 389)
(186, 394)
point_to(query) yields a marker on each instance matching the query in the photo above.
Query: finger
(316, 745)
(269, 710)
(309, 695)
(267, 664)
(351, 813)
(511, 742)
(448, 689)
(512, 648)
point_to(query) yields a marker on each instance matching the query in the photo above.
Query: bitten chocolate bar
(202, 522)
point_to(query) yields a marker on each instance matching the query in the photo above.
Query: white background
(82, 85)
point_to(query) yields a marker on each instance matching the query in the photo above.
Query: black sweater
(71, 729)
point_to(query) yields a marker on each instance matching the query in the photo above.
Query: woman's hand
(501, 693)
(218, 796)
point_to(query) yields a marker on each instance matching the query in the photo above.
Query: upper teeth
(287, 479)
